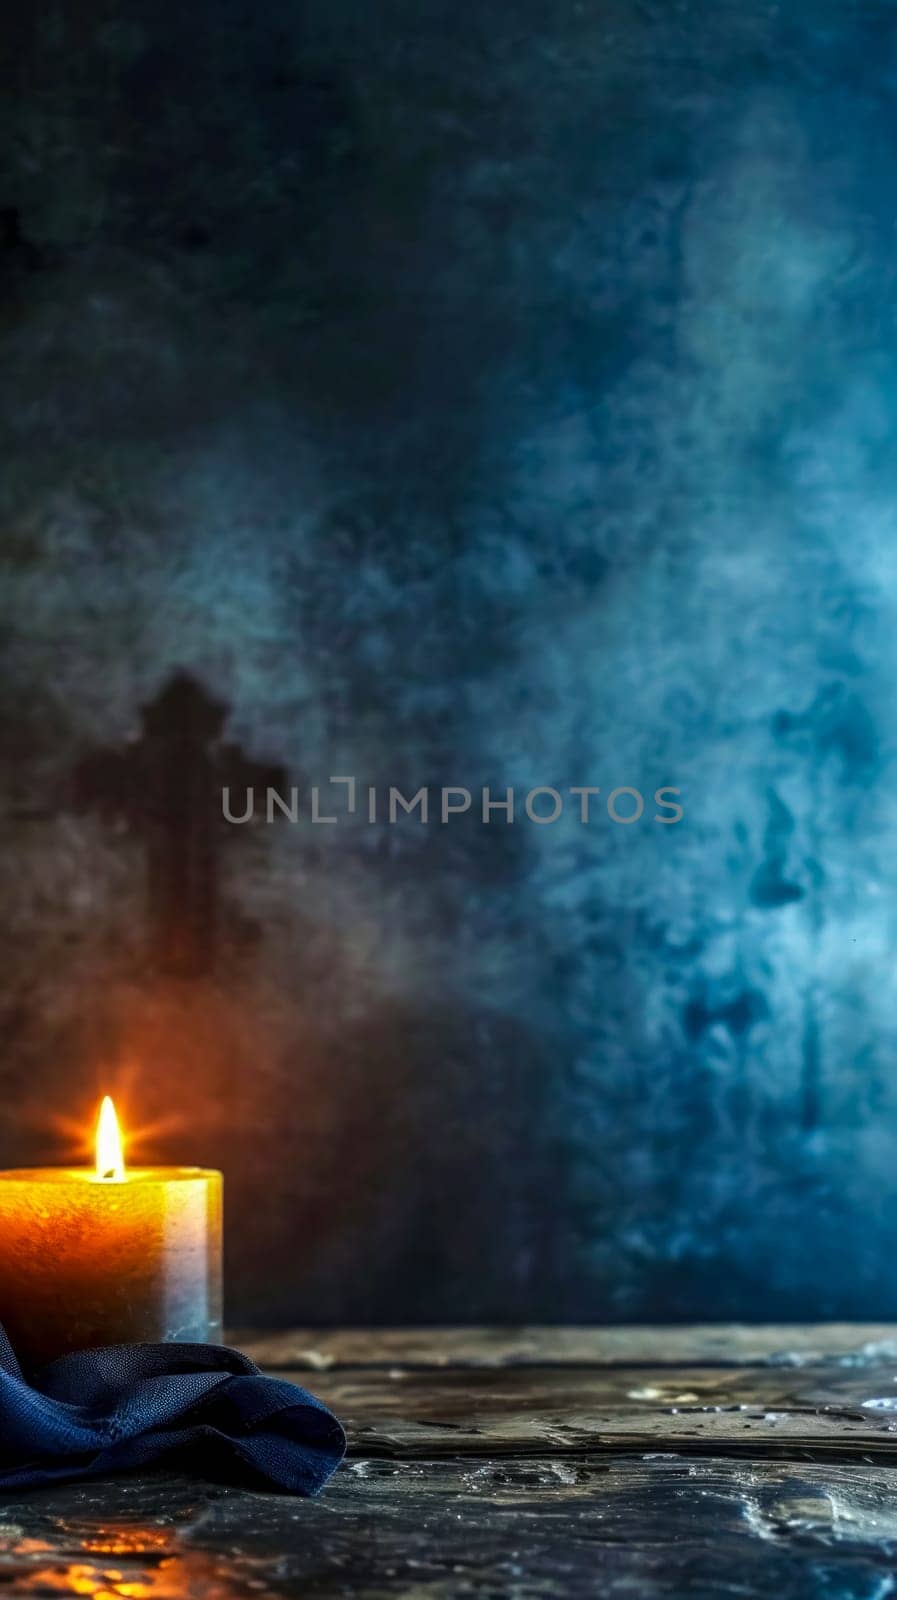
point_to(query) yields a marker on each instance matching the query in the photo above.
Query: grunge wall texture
(496, 394)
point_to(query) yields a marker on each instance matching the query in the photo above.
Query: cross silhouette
(167, 783)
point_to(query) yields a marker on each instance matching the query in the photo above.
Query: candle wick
(107, 1175)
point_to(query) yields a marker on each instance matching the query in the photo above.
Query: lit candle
(109, 1256)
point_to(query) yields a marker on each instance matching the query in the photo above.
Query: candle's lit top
(110, 1156)
(109, 1172)
(31, 1177)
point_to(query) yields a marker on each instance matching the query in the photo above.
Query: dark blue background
(498, 394)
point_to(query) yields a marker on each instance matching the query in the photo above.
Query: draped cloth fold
(202, 1407)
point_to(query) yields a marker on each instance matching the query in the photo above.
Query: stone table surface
(700, 1461)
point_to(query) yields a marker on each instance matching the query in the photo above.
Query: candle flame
(110, 1159)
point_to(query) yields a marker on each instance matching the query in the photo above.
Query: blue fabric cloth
(102, 1411)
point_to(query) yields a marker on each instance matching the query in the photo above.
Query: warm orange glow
(110, 1159)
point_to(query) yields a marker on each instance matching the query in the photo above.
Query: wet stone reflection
(120, 1541)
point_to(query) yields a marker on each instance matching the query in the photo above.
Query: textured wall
(503, 395)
